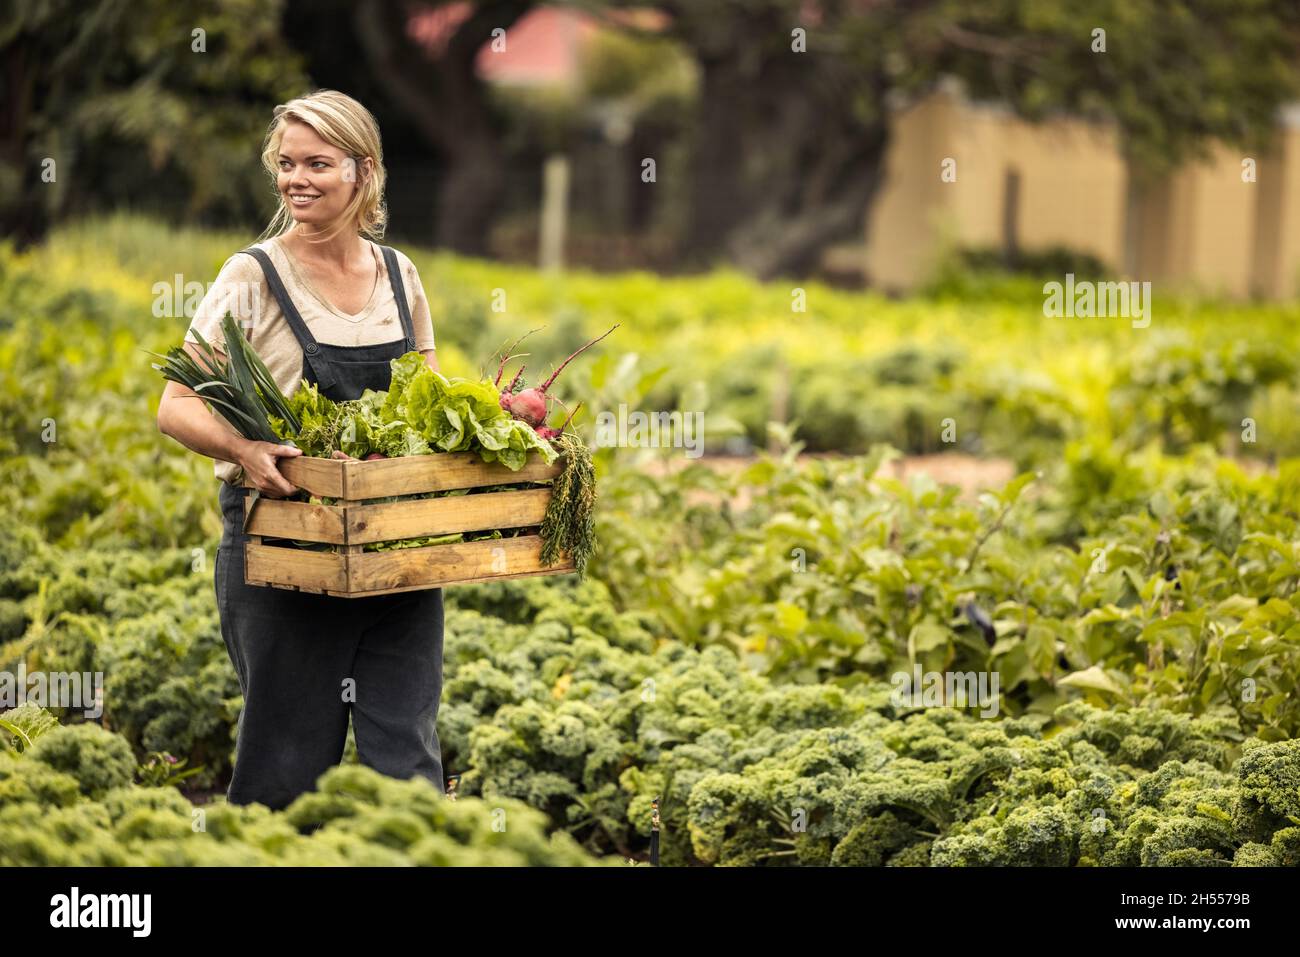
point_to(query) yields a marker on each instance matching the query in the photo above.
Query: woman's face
(317, 180)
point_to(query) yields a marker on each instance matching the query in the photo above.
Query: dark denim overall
(295, 652)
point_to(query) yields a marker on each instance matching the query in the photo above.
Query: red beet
(375, 455)
(529, 405)
(546, 432)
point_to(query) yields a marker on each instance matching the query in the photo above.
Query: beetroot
(375, 455)
(546, 432)
(529, 405)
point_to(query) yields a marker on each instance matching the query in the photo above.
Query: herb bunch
(569, 524)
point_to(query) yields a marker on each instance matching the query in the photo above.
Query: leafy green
(21, 726)
(422, 412)
(71, 801)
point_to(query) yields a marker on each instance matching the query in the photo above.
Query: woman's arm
(183, 415)
(431, 359)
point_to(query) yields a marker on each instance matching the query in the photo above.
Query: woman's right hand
(259, 460)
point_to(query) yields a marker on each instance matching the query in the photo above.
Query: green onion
(241, 388)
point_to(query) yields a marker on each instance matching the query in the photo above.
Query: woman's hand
(260, 462)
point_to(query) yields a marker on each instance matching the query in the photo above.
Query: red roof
(543, 46)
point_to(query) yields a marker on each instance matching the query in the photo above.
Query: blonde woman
(319, 300)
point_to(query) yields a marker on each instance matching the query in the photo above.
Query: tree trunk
(468, 198)
(449, 107)
(784, 162)
(806, 187)
(717, 195)
(22, 213)
(770, 243)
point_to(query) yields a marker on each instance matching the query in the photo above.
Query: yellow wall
(1200, 227)
(905, 219)
(1276, 262)
(1072, 183)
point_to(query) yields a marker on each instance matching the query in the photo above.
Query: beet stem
(547, 384)
(502, 368)
(571, 415)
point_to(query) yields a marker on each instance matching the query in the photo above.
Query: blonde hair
(347, 125)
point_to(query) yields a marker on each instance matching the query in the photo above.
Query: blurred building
(1018, 187)
(1025, 187)
(545, 45)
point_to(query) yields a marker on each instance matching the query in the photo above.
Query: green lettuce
(422, 412)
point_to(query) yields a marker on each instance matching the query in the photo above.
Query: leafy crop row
(70, 800)
(731, 650)
(1128, 580)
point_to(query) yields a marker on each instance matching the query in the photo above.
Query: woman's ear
(367, 168)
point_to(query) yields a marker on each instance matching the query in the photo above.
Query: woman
(318, 300)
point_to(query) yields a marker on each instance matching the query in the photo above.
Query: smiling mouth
(303, 199)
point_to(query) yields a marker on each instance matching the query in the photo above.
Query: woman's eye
(320, 163)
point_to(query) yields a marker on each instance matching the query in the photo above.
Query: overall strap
(399, 293)
(324, 375)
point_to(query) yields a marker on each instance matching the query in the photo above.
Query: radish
(530, 404)
(546, 432)
(375, 455)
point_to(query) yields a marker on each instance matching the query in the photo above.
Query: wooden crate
(348, 571)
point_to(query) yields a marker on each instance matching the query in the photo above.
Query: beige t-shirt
(241, 288)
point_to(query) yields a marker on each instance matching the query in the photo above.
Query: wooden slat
(460, 563)
(440, 472)
(276, 518)
(320, 571)
(551, 570)
(390, 521)
(349, 571)
(350, 554)
(320, 477)
(408, 475)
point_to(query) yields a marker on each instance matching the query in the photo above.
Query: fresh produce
(569, 524)
(422, 412)
(529, 405)
(240, 387)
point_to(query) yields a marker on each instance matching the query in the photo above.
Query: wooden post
(555, 207)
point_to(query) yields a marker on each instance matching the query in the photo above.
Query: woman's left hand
(340, 454)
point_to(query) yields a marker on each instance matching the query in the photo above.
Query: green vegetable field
(734, 650)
